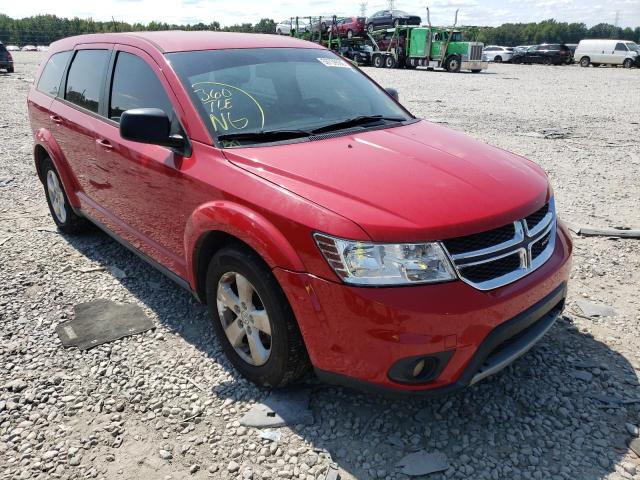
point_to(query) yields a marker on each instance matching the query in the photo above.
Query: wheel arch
(220, 224)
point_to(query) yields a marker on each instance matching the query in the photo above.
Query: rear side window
(135, 85)
(49, 82)
(86, 77)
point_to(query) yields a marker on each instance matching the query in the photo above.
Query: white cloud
(472, 12)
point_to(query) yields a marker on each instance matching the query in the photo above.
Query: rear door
(144, 199)
(75, 117)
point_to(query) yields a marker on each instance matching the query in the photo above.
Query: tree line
(44, 29)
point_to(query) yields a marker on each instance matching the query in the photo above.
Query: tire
(497, 59)
(370, 28)
(278, 32)
(453, 64)
(377, 61)
(628, 63)
(585, 62)
(546, 61)
(63, 215)
(349, 33)
(283, 357)
(390, 62)
(10, 70)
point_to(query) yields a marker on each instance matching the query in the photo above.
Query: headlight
(366, 263)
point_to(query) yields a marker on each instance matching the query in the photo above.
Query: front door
(145, 199)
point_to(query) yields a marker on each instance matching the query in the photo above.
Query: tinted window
(620, 46)
(49, 82)
(85, 79)
(135, 85)
(2, 48)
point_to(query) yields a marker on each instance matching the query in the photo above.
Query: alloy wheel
(244, 318)
(56, 196)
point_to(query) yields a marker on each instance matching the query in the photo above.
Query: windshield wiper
(355, 121)
(264, 135)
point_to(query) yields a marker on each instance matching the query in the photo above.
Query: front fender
(245, 224)
(44, 139)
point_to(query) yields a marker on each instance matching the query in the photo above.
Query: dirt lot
(566, 410)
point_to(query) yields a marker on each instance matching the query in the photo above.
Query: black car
(547, 54)
(391, 18)
(358, 52)
(6, 60)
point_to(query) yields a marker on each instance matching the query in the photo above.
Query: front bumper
(355, 335)
(474, 65)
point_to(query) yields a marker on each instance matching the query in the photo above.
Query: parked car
(391, 18)
(497, 54)
(547, 54)
(6, 60)
(358, 52)
(521, 48)
(285, 26)
(607, 52)
(42, 48)
(29, 48)
(269, 177)
(388, 39)
(349, 27)
(12, 48)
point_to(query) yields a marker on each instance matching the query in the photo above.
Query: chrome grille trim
(521, 243)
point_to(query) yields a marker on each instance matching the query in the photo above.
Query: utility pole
(363, 9)
(392, 4)
(617, 18)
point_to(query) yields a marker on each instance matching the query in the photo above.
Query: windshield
(243, 91)
(633, 46)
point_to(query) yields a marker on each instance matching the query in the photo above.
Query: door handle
(105, 144)
(56, 119)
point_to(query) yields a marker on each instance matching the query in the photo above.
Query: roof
(179, 40)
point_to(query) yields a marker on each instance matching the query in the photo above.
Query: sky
(472, 12)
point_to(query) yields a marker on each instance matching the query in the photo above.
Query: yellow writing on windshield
(229, 107)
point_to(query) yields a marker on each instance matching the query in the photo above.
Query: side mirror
(149, 125)
(394, 93)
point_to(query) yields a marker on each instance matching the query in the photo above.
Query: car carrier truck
(427, 46)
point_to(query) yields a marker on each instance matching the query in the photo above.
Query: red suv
(349, 27)
(321, 222)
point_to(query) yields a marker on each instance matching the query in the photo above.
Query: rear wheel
(63, 215)
(377, 60)
(546, 61)
(498, 59)
(253, 319)
(453, 64)
(390, 62)
(628, 63)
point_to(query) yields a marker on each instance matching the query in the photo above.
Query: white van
(607, 52)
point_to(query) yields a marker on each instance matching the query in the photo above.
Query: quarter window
(49, 82)
(85, 79)
(135, 85)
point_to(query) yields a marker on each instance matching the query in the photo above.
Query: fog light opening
(418, 368)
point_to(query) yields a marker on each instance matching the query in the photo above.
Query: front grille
(490, 270)
(536, 217)
(475, 52)
(481, 240)
(503, 255)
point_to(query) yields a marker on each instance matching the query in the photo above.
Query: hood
(408, 183)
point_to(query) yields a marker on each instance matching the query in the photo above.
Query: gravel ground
(166, 404)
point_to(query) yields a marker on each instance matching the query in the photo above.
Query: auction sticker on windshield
(334, 62)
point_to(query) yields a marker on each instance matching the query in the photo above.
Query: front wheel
(253, 319)
(628, 63)
(63, 215)
(546, 61)
(453, 64)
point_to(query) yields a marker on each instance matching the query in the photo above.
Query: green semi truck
(427, 46)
